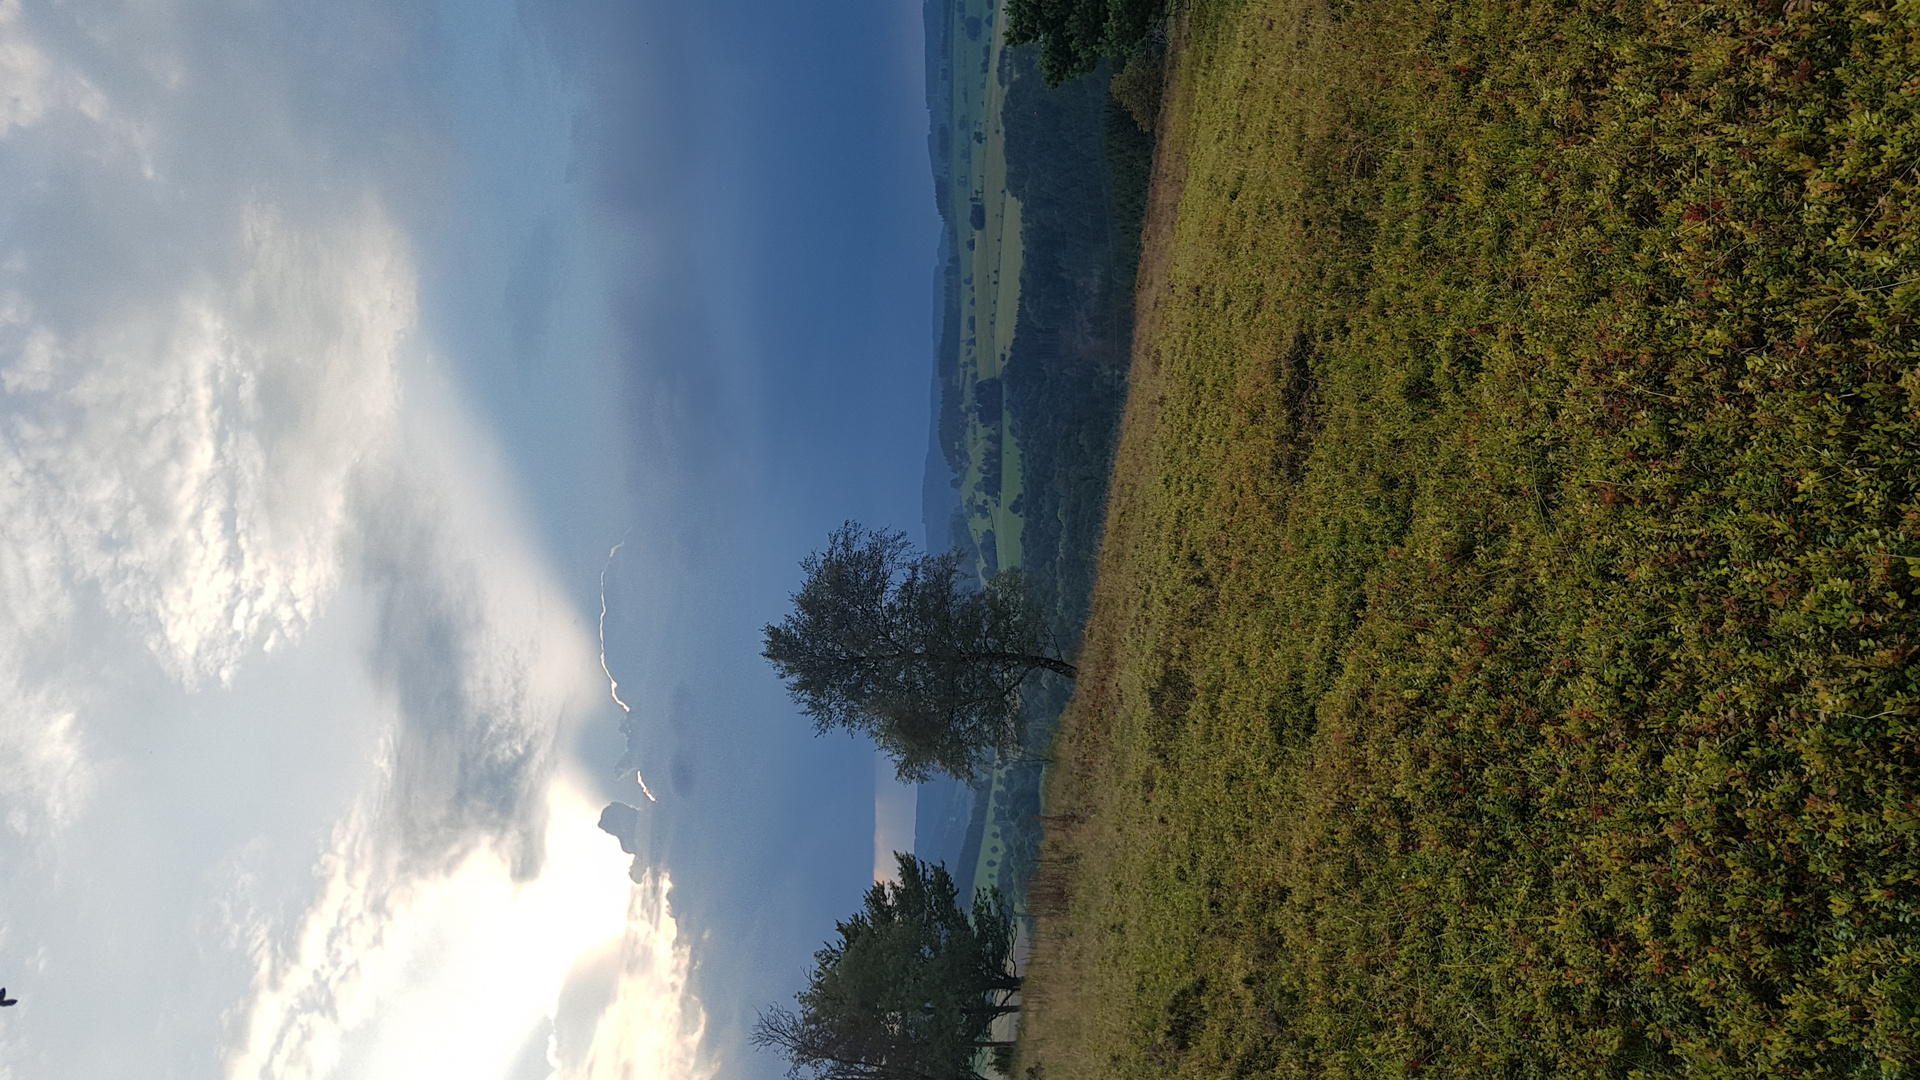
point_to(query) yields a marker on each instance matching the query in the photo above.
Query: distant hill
(1040, 191)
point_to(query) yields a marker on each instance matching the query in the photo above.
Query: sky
(340, 344)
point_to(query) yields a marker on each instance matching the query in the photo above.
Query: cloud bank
(229, 455)
(183, 468)
(178, 450)
(348, 996)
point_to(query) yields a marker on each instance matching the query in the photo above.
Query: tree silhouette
(908, 991)
(888, 642)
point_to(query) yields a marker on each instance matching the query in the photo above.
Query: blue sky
(339, 343)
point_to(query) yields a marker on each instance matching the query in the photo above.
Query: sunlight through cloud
(448, 975)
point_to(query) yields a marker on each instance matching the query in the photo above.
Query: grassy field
(986, 240)
(990, 306)
(1502, 663)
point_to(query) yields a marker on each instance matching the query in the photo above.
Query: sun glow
(454, 976)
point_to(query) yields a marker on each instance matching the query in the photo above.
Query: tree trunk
(1058, 667)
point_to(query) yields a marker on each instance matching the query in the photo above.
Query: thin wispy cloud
(24, 73)
(613, 684)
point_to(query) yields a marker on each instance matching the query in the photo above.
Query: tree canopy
(1074, 35)
(908, 991)
(888, 642)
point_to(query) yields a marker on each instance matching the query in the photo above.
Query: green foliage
(909, 989)
(1075, 35)
(1507, 629)
(1078, 164)
(1080, 179)
(1137, 88)
(889, 643)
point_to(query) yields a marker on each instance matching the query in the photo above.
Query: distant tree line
(934, 664)
(1079, 165)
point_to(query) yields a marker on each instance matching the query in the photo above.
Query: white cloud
(183, 469)
(652, 1029)
(218, 432)
(24, 73)
(197, 465)
(34, 86)
(471, 879)
(398, 975)
(44, 774)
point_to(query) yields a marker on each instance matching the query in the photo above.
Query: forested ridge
(1078, 163)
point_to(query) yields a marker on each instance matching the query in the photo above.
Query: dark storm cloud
(640, 157)
(764, 168)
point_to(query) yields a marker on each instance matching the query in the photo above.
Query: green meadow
(985, 220)
(1040, 188)
(1502, 657)
(986, 231)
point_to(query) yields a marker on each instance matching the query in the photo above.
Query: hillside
(1040, 190)
(1502, 657)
